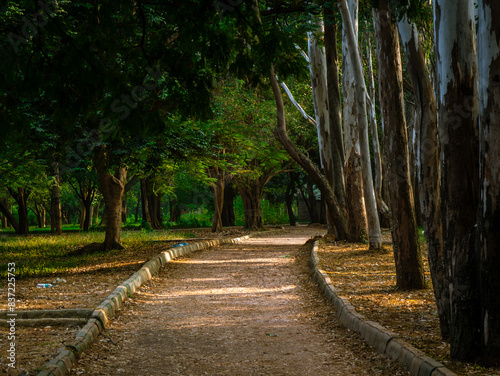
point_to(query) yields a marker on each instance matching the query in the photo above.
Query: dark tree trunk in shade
(427, 139)
(228, 216)
(456, 63)
(407, 254)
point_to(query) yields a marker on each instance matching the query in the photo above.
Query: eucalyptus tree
(489, 212)
(408, 257)
(457, 103)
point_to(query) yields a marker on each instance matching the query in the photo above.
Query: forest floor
(242, 309)
(368, 280)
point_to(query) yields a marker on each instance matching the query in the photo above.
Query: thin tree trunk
(356, 210)
(488, 238)
(407, 254)
(428, 171)
(289, 194)
(146, 216)
(217, 188)
(375, 235)
(458, 132)
(124, 208)
(55, 202)
(335, 106)
(377, 155)
(317, 69)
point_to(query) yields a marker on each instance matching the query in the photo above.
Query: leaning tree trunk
(308, 166)
(356, 209)
(375, 235)
(317, 70)
(8, 215)
(489, 213)
(407, 254)
(458, 131)
(428, 167)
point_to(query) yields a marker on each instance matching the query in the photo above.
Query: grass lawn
(44, 254)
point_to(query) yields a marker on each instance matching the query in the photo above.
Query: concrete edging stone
(68, 355)
(383, 340)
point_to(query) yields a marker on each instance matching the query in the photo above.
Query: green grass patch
(44, 255)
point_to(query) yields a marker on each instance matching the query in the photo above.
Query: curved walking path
(239, 309)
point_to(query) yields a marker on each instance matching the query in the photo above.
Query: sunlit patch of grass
(43, 255)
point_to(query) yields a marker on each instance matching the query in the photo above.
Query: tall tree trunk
(428, 167)
(335, 105)
(375, 235)
(489, 213)
(458, 132)
(407, 254)
(356, 210)
(377, 155)
(317, 69)
(308, 166)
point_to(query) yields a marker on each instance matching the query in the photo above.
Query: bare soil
(246, 309)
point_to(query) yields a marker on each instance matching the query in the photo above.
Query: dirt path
(246, 309)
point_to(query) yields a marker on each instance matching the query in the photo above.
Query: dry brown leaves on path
(368, 280)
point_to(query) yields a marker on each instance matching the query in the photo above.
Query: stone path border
(384, 341)
(69, 354)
